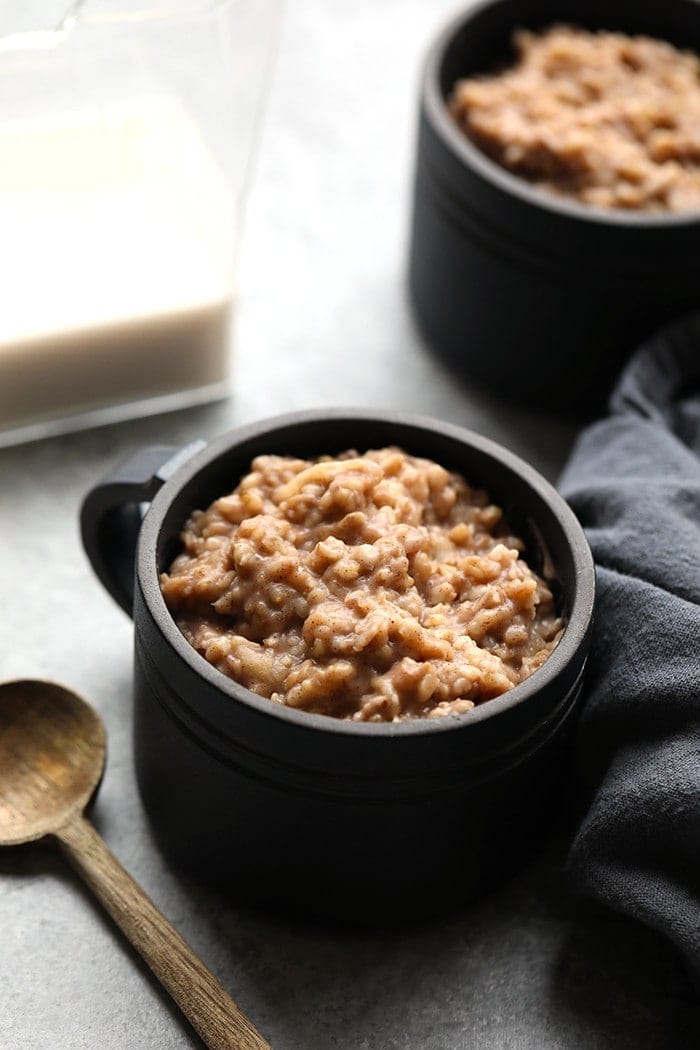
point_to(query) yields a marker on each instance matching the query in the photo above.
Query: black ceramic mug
(537, 297)
(307, 812)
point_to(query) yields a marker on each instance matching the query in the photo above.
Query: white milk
(116, 255)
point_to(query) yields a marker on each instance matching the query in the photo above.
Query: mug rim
(470, 156)
(575, 633)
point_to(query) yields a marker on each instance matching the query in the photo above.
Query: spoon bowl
(52, 755)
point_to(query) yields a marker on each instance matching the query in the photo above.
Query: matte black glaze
(339, 818)
(538, 298)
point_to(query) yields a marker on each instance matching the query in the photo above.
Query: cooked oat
(609, 119)
(377, 587)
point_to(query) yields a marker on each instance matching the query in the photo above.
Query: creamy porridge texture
(608, 119)
(376, 587)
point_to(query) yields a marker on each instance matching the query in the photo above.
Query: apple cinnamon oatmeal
(608, 119)
(377, 587)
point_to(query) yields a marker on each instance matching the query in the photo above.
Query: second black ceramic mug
(540, 298)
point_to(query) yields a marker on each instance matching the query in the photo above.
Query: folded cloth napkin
(634, 482)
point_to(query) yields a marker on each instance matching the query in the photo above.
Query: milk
(116, 255)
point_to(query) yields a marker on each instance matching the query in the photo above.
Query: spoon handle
(205, 1003)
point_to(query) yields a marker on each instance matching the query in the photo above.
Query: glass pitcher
(126, 135)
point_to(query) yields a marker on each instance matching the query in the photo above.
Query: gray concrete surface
(322, 320)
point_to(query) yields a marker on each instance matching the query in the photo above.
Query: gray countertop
(322, 319)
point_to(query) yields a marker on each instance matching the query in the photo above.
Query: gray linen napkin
(634, 482)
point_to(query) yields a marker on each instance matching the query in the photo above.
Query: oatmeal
(377, 587)
(608, 119)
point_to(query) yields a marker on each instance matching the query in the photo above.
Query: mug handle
(112, 512)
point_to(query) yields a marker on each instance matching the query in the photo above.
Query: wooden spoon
(52, 754)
